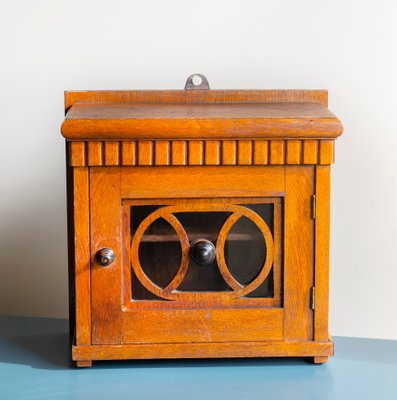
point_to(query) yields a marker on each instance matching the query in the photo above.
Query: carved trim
(201, 152)
(171, 292)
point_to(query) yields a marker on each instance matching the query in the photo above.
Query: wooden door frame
(106, 193)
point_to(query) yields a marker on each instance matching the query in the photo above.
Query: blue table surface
(35, 364)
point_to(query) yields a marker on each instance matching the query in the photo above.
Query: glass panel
(203, 225)
(159, 252)
(245, 250)
(138, 214)
(139, 292)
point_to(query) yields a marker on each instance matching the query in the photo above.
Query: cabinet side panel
(298, 253)
(321, 278)
(70, 232)
(82, 255)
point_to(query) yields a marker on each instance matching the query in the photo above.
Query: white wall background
(348, 47)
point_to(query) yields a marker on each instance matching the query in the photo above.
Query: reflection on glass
(160, 251)
(245, 250)
(203, 225)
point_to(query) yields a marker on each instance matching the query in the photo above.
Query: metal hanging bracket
(202, 85)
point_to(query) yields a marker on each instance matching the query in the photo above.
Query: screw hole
(197, 80)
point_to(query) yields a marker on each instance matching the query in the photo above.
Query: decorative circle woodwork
(170, 292)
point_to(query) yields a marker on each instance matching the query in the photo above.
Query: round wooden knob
(202, 252)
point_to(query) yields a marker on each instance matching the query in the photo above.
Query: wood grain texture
(195, 96)
(164, 182)
(179, 152)
(78, 128)
(128, 153)
(244, 152)
(77, 154)
(112, 153)
(105, 216)
(298, 253)
(209, 325)
(326, 152)
(195, 152)
(278, 252)
(198, 152)
(162, 153)
(82, 255)
(277, 152)
(95, 153)
(71, 251)
(294, 152)
(321, 257)
(212, 152)
(229, 152)
(145, 152)
(189, 114)
(205, 350)
(261, 152)
(310, 153)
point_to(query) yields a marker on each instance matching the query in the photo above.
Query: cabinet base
(318, 350)
(84, 363)
(320, 360)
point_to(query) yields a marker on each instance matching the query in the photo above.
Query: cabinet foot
(84, 364)
(320, 359)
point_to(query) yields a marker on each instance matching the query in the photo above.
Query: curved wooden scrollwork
(240, 290)
(170, 292)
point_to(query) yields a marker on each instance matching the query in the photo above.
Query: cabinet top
(201, 114)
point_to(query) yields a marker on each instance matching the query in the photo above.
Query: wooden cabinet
(199, 223)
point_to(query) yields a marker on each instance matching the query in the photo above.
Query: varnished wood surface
(205, 350)
(195, 96)
(128, 111)
(201, 152)
(221, 182)
(320, 359)
(181, 121)
(198, 113)
(321, 262)
(105, 219)
(82, 263)
(203, 325)
(84, 363)
(298, 253)
(209, 148)
(108, 189)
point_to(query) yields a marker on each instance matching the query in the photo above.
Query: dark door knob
(202, 252)
(105, 256)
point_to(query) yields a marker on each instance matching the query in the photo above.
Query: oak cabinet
(199, 223)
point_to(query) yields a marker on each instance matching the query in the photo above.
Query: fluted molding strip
(201, 152)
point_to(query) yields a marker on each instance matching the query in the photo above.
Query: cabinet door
(222, 260)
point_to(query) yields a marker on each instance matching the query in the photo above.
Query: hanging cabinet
(199, 223)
